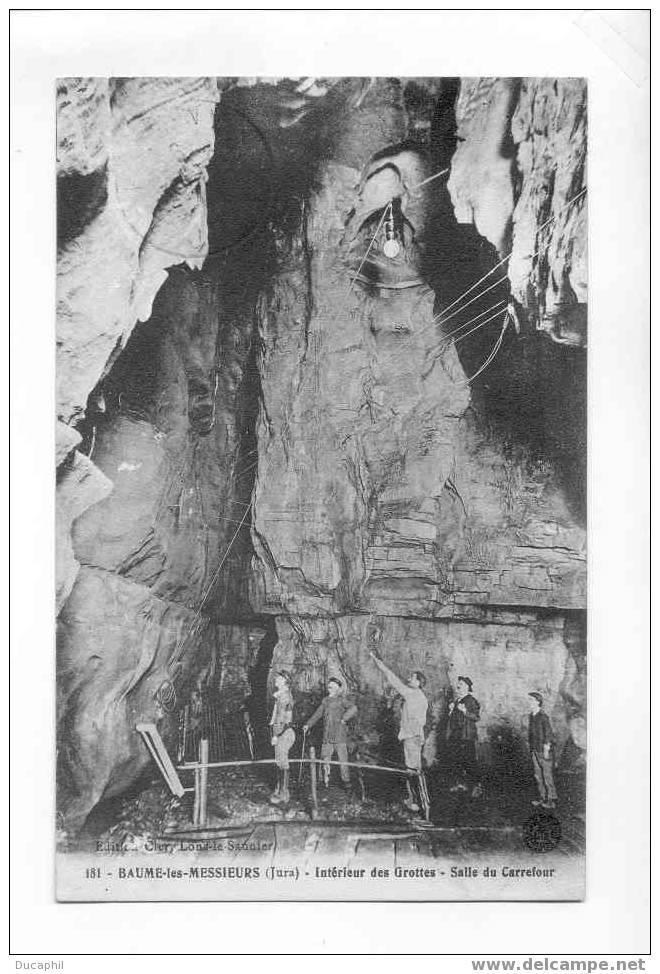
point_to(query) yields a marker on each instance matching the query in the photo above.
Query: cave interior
(231, 418)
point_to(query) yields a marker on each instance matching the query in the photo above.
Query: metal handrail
(201, 768)
(196, 765)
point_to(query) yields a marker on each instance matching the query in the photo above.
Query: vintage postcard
(321, 484)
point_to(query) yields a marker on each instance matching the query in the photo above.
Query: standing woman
(464, 715)
(282, 735)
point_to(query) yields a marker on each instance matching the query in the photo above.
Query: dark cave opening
(80, 197)
(129, 387)
(257, 703)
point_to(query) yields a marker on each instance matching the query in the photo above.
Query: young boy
(282, 735)
(336, 712)
(541, 741)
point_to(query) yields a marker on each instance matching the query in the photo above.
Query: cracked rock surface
(519, 166)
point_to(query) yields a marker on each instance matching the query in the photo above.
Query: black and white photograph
(321, 488)
(329, 359)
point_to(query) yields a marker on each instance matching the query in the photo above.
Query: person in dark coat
(464, 714)
(541, 747)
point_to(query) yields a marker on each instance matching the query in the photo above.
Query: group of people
(464, 713)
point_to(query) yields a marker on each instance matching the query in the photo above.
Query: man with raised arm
(411, 730)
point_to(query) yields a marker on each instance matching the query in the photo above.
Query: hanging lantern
(392, 255)
(391, 246)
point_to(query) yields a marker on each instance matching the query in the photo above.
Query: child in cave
(541, 743)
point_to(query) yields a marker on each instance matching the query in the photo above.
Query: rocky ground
(241, 798)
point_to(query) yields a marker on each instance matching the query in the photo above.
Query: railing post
(197, 796)
(312, 778)
(360, 776)
(203, 780)
(424, 794)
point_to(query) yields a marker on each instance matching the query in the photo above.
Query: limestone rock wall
(80, 485)
(170, 450)
(355, 447)
(520, 161)
(380, 496)
(131, 164)
(170, 441)
(375, 492)
(506, 654)
(116, 646)
(115, 641)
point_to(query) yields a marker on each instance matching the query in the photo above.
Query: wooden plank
(154, 742)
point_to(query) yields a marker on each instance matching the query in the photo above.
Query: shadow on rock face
(80, 198)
